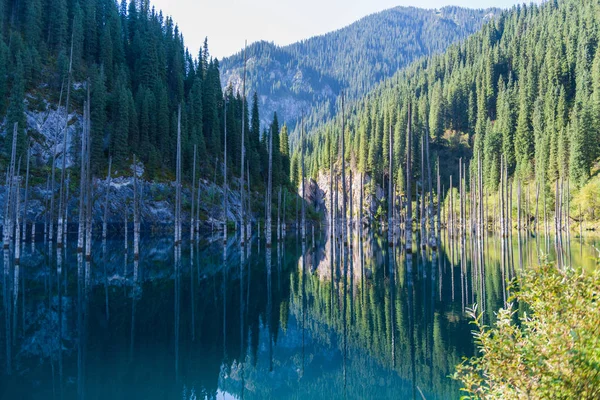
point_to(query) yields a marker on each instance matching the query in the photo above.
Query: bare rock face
(315, 196)
(292, 88)
(157, 201)
(318, 194)
(46, 123)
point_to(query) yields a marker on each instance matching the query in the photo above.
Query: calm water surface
(298, 321)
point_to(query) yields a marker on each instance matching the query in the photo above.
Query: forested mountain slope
(525, 89)
(307, 77)
(139, 72)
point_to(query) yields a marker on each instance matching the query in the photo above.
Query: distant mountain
(307, 77)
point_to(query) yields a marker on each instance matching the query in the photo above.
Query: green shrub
(587, 200)
(552, 351)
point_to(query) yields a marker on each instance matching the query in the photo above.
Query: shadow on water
(313, 320)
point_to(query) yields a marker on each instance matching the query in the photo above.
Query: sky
(228, 23)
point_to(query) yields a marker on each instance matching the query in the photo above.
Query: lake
(317, 320)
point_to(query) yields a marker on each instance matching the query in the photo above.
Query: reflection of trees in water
(163, 322)
(404, 315)
(362, 315)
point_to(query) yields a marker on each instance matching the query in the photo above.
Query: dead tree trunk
(26, 195)
(225, 190)
(82, 183)
(59, 238)
(178, 182)
(283, 224)
(390, 192)
(360, 205)
(88, 184)
(351, 216)
(519, 205)
(331, 216)
(269, 191)
(439, 198)
(279, 214)
(248, 205)
(108, 181)
(192, 216)
(17, 222)
(343, 157)
(136, 216)
(408, 221)
(303, 182)
(243, 149)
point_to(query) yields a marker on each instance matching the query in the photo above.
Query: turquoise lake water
(317, 320)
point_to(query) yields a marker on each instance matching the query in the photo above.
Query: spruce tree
(98, 98)
(284, 150)
(119, 134)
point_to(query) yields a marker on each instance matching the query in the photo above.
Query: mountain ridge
(306, 77)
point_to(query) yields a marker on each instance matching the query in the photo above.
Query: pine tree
(278, 177)
(255, 154)
(524, 141)
(57, 24)
(78, 36)
(98, 98)
(284, 150)
(33, 22)
(295, 174)
(541, 151)
(579, 154)
(120, 118)
(436, 111)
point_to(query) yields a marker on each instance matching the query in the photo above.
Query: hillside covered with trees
(139, 72)
(307, 77)
(525, 89)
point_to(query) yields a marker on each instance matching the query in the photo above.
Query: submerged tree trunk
(88, 240)
(225, 190)
(439, 198)
(351, 217)
(53, 174)
(331, 216)
(17, 222)
(283, 225)
(192, 216)
(343, 157)
(178, 182)
(408, 221)
(82, 183)
(269, 192)
(136, 210)
(24, 232)
(303, 182)
(108, 181)
(390, 192)
(59, 238)
(243, 148)
(6, 226)
(249, 208)
(279, 214)
(360, 204)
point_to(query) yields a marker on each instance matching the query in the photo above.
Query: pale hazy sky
(227, 23)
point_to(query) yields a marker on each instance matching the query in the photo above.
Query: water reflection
(299, 320)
